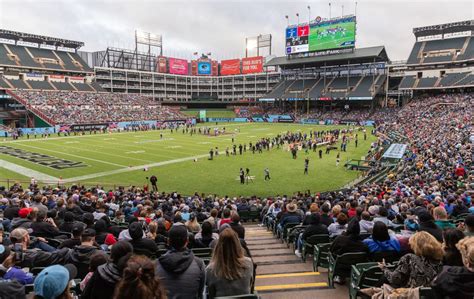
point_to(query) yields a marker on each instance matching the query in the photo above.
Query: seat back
(202, 252)
(317, 239)
(388, 256)
(321, 255)
(286, 228)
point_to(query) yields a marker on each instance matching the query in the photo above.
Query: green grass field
(119, 159)
(214, 113)
(319, 42)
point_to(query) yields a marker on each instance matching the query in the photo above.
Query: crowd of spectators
(69, 107)
(111, 239)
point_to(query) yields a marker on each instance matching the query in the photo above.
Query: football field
(179, 160)
(326, 37)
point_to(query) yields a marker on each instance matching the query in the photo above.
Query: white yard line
(129, 169)
(26, 171)
(76, 156)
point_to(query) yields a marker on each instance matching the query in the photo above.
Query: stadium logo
(40, 159)
(318, 19)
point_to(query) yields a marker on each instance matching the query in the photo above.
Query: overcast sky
(221, 26)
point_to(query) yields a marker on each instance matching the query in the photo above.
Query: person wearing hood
(102, 283)
(182, 274)
(457, 282)
(427, 224)
(140, 244)
(381, 241)
(349, 241)
(102, 234)
(25, 218)
(81, 255)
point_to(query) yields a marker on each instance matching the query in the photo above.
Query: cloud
(220, 27)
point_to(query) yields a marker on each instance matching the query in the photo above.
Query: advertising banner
(161, 65)
(56, 77)
(178, 66)
(204, 68)
(252, 65)
(230, 67)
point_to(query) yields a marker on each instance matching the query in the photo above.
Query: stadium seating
(44, 85)
(41, 59)
(442, 50)
(62, 86)
(407, 82)
(450, 79)
(71, 107)
(278, 91)
(427, 82)
(298, 87)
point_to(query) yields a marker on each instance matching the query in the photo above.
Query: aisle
(281, 274)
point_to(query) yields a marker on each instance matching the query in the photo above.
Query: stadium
(310, 166)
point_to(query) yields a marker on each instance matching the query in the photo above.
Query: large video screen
(321, 36)
(204, 68)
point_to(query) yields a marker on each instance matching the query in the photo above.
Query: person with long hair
(139, 280)
(452, 256)
(381, 241)
(229, 273)
(417, 269)
(103, 281)
(458, 281)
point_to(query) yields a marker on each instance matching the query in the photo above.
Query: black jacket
(38, 258)
(431, 228)
(102, 283)
(11, 212)
(182, 274)
(20, 222)
(44, 229)
(345, 244)
(319, 229)
(326, 219)
(454, 283)
(12, 289)
(239, 229)
(70, 243)
(80, 256)
(144, 246)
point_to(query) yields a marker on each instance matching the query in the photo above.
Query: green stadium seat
(309, 243)
(321, 256)
(341, 264)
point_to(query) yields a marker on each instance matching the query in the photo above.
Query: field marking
(76, 156)
(135, 152)
(129, 169)
(174, 146)
(26, 171)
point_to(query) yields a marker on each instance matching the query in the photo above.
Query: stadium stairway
(281, 274)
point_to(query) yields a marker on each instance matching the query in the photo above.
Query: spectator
(427, 224)
(182, 274)
(68, 223)
(315, 227)
(139, 280)
(290, 216)
(366, 225)
(381, 241)
(225, 218)
(325, 218)
(77, 231)
(9, 271)
(53, 282)
(192, 224)
(97, 259)
(229, 273)
(204, 238)
(81, 255)
(469, 225)
(236, 226)
(44, 227)
(383, 217)
(417, 269)
(102, 283)
(348, 241)
(452, 256)
(458, 281)
(140, 244)
(35, 257)
(441, 218)
(340, 226)
(12, 289)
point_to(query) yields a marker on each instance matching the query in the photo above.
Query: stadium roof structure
(361, 55)
(442, 29)
(40, 39)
